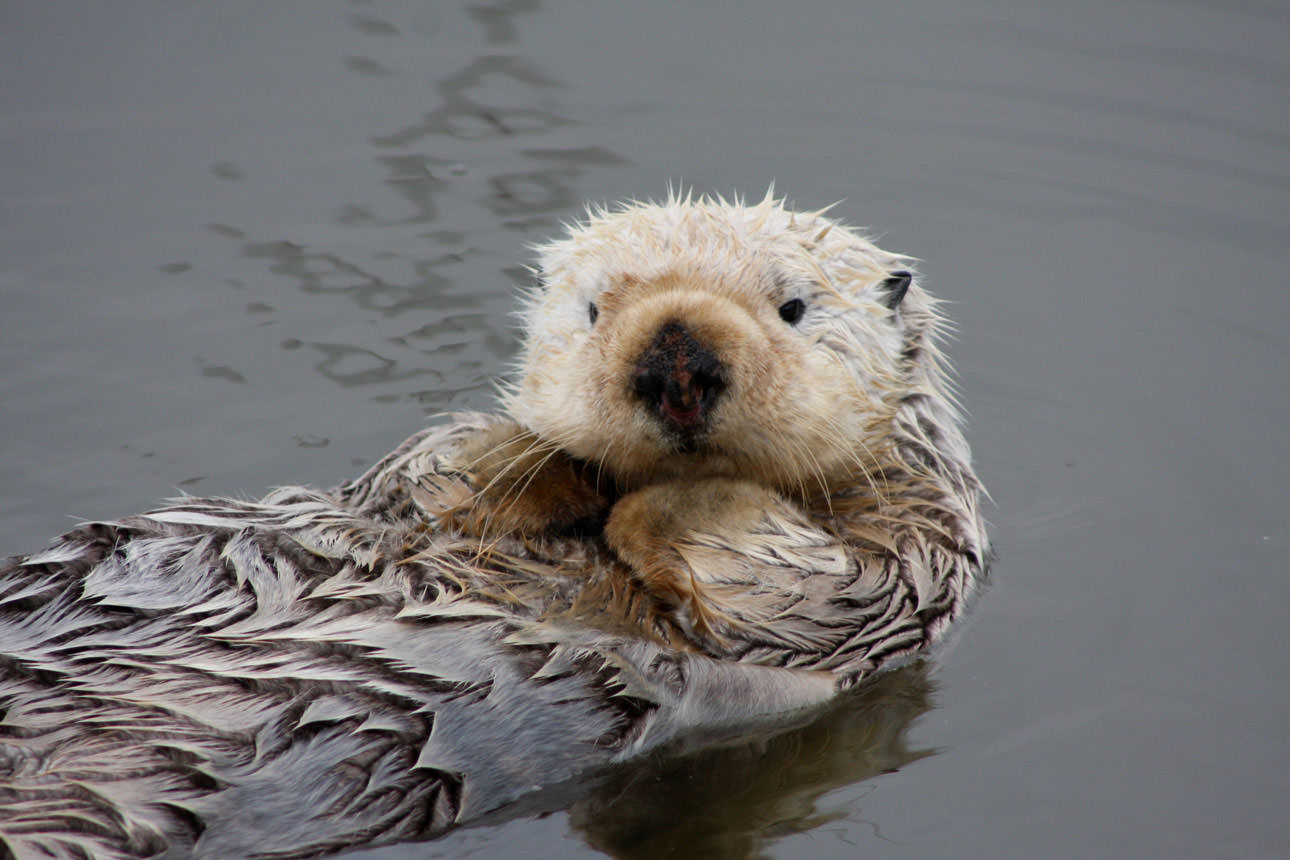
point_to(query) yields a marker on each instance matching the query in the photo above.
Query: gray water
(250, 244)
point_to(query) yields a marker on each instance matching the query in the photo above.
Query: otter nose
(679, 378)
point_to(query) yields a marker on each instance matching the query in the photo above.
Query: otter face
(702, 339)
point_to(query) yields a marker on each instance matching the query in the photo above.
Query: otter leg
(525, 486)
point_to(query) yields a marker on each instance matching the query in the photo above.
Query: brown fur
(524, 488)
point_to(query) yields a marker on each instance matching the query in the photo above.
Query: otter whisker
(537, 447)
(511, 497)
(817, 470)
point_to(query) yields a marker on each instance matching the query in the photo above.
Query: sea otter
(729, 480)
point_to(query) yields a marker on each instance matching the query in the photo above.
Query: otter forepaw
(694, 548)
(525, 486)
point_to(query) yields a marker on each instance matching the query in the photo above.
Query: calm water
(245, 244)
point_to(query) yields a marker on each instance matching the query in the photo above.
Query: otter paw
(688, 543)
(525, 486)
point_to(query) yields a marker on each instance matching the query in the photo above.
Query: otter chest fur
(729, 481)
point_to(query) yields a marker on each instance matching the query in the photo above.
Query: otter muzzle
(679, 380)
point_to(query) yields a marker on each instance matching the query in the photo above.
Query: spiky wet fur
(508, 602)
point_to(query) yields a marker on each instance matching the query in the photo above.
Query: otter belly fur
(729, 481)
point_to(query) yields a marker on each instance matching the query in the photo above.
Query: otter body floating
(730, 482)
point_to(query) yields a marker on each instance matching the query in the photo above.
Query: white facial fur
(805, 403)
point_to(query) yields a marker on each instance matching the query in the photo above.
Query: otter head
(702, 338)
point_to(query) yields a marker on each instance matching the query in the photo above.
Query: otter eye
(791, 311)
(593, 312)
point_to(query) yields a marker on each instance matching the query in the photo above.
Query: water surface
(246, 245)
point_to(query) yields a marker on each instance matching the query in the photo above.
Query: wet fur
(505, 602)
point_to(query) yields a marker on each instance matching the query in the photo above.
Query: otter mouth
(679, 381)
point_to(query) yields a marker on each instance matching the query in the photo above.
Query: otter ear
(895, 287)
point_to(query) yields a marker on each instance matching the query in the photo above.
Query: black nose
(679, 379)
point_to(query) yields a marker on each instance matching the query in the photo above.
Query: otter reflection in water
(729, 483)
(726, 802)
